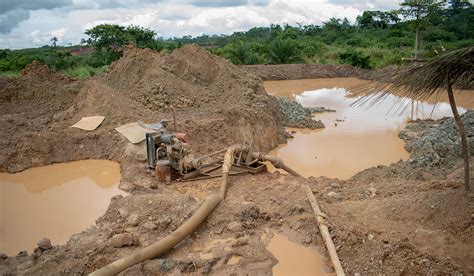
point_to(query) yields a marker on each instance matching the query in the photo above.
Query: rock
(133, 220)
(373, 191)
(187, 266)
(22, 253)
(125, 239)
(44, 244)
(116, 197)
(123, 212)
(3, 256)
(234, 226)
(241, 242)
(370, 237)
(352, 238)
(298, 116)
(167, 265)
(250, 212)
(149, 225)
(334, 185)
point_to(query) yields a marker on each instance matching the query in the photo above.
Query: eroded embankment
(307, 71)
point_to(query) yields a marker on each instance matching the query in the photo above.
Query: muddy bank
(305, 71)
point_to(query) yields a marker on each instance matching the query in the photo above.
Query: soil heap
(217, 104)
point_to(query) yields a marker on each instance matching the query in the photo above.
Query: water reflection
(356, 137)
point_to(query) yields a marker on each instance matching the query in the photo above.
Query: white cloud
(59, 33)
(178, 18)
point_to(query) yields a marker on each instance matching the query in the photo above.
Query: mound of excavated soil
(217, 104)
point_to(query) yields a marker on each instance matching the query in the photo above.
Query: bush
(83, 72)
(355, 58)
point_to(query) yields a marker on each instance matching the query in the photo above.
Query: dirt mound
(217, 104)
(41, 86)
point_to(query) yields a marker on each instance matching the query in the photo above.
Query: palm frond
(423, 81)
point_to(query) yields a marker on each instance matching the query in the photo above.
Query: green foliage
(283, 51)
(355, 58)
(378, 39)
(83, 72)
(239, 53)
(107, 36)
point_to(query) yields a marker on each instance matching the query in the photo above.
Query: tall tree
(417, 11)
(55, 41)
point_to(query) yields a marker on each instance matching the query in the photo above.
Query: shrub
(355, 58)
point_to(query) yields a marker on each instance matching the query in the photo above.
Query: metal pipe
(277, 162)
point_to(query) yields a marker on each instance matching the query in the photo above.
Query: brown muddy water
(355, 138)
(54, 201)
(295, 259)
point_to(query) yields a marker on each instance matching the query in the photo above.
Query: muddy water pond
(54, 201)
(355, 137)
(295, 259)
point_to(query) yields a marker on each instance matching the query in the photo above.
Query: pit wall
(305, 71)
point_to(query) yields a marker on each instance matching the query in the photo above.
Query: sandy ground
(411, 217)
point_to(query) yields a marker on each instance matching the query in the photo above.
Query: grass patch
(84, 71)
(9, 74)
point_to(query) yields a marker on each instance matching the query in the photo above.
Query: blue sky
(32, 23)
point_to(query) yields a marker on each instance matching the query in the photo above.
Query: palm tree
(430, 79)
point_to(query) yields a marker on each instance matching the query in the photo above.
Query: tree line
(419, 28)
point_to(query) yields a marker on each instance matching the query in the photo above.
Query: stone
(373, 191)
(149, 225)
(234, 226)
(124, 239)
(116, 197)
(370, 237)
(44, 244)
(167, 265)
(133, 220)
(3, 256)
(123, 212)
(187, 266)
(334, 185)
(22, 253)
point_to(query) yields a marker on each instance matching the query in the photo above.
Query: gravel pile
(441, 144)
(298, 116)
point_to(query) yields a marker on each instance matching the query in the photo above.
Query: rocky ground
(411, 217)
(298, 116)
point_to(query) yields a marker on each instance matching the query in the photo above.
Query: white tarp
(89, 123)
(133, 132)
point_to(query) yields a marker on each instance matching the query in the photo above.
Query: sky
(32, 23)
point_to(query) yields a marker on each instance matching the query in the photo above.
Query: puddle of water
(355, 138)
(294, 259)
(54, 201)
